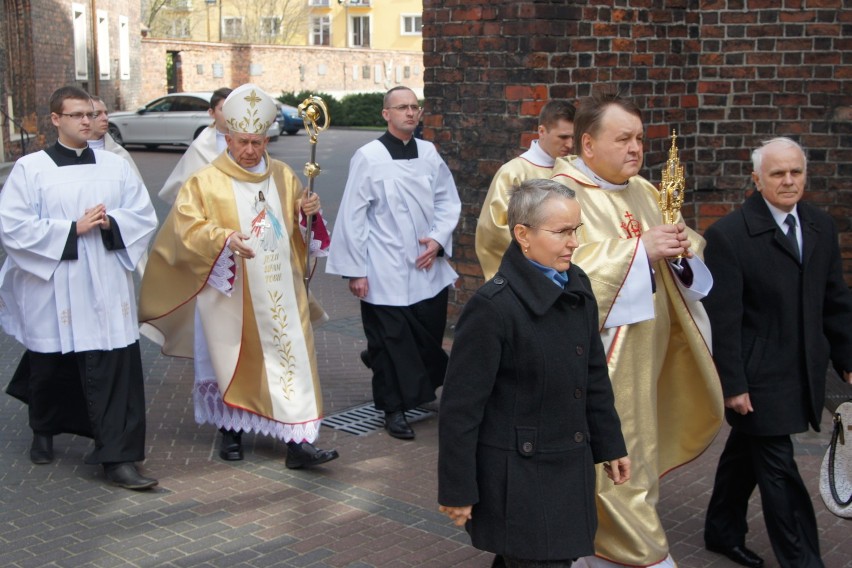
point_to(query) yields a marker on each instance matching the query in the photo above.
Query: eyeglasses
(78, 116)
(403, 108)
(563, 234)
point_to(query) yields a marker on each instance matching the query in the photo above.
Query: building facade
(367, 24)
(93, 44)
(106, 47)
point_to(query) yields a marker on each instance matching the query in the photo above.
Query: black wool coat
(776, 322)
(527, 409)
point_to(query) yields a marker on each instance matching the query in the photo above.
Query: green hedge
(354, 110)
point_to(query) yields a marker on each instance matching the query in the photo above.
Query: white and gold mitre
(249, 110)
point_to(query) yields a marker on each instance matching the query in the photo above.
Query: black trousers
(406, 355)
(765, 462)
(97, 394)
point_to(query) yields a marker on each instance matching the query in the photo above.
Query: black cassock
(96, 394)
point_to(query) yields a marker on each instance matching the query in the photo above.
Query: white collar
(602, 183)
(781, 216)
(537, 156)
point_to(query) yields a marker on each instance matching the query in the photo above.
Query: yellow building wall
(199, 20)
(385, 17)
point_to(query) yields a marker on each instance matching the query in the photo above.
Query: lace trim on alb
(211, 409)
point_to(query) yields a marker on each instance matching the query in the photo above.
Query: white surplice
(203, 150)
(387, 206)
(53, 305)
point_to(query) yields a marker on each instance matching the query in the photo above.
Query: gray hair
(757, 155)
(526, 201)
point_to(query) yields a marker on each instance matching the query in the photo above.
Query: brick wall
(278, 68)
(725, 74)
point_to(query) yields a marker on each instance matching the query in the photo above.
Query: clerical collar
(537, 156)
(398, 149)
(581, 165)
(62, 155)
(98, 144)
(259, 168)
(558, 278)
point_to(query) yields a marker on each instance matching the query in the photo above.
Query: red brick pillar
(724, 74)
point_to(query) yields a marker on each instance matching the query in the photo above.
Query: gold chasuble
(259, 337)
(492, 230)
(667, 391)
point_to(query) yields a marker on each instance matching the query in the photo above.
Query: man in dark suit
(779, 310)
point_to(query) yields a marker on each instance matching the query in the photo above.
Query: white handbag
(835, 474)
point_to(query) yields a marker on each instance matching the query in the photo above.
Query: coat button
(498, 280)
(580, 350)
(527, 447)
(578, 393)
(578, 437)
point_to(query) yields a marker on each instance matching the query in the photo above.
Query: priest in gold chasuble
(655, 330)
(224, 285)
(555, 141)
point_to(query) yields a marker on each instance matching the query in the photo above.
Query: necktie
(790, 221)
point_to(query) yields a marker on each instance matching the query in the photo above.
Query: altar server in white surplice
(203, 150)
(74, 222)
(224, 284)
(392, 238)
(100, 137)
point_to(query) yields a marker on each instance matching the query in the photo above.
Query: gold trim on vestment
(667, 391)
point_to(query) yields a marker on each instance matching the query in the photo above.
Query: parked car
(288, 119)
(176, 118)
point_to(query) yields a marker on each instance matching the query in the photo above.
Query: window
(270, 26)
(182, 4)
(81, 54)
(123, 47)
(191, 104)
(318, 3)
(360, 31)
(14, 131)
(232, 27)
(179, 27)
(359, 2)
(411, 25)
(103, 45)
(321, 30)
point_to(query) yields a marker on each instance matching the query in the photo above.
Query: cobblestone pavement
(373, 507)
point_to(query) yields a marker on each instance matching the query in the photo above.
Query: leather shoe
(397, 426)
(739, 554)
(41, 450)
(125, 474)
(305, 454)
(231, 446)
(365, 358)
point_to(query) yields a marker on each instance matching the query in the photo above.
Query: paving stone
(372, 508)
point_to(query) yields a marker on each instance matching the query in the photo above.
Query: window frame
(232, 19)
(413, 18)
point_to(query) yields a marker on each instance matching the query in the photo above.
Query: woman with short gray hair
(527, 407)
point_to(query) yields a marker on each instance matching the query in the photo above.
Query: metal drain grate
(361, 420)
